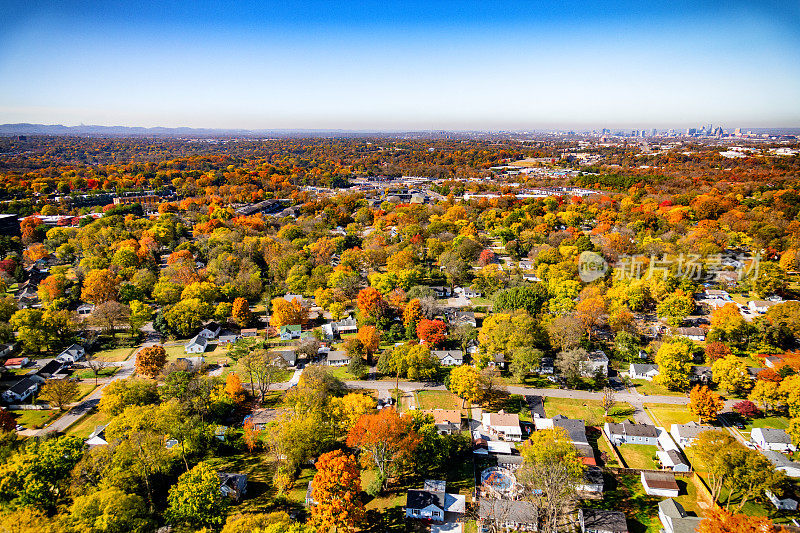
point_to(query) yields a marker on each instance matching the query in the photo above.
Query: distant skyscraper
(653, 132)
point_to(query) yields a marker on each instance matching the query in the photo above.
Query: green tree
(523, 361)
(140, 314)
(123, 393)
(195, 499)
(110, 510)
(528, 298)
(502, 333)
(186, 316)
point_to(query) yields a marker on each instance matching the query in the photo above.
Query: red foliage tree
(7, 421)
(769, 374)
(486, 257)
(747, 409)
(432, 332)
(370, 302)
(716, 350)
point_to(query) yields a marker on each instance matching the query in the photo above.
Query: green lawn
(589, 410)
(665, 415)
(435, 399)
(625, 493)
(776, 422)
(115, 354)
(86, 425)
(260, 490)
(341, 373)
(605, 451)
(88, 374)
(638, 455)
(650, 388)
(84, 389)
(688, 497)
(35, 418)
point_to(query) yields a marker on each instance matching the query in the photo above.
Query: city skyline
(386, 67)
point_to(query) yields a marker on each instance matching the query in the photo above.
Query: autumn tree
(139, 314)
(195, 499)
(241, 312)
(676, 307)
(502, 333)
(716, 350)
(370, 303)
(336, 493)
(59, 392)
(766, 394)
(590, 312)
(109, 315)
(370, 339)
(705, 403)
(674, 363)
(233, 388)
(608, 400)
(719, 520)
(713, 449)
(110, 509)
(431, 332)
(746, 409)
(151, 360)
(346, 410)
(384, 438)
(287, 313)
(730, 373)
(99, 286)
(466, 383)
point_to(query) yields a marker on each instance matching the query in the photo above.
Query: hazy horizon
(412, 66)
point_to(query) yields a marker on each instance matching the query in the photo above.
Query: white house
(782, 504)
(227, 337)
(693, 333)
(628, 433)
(503, 425)
(210, 331)
(672, 460)
(675, 519)
(23, 389)
(449, 357)
(660, 484)
(196, 344)
(337, 358)
(433, 502)
(294, 331)
(782, 463)
(471, 293)
(592, 481)
(597, 361)
(685, 434)
(289, 356)
(97, 437)
(760, 306)
(85, 309)
(772, 439)
(76, 352)
(643, 371)
(16, 362)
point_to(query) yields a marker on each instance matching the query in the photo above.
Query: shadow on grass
(622, 493)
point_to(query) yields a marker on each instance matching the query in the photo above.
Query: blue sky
(494, 64)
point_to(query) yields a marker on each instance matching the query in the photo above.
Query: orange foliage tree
(716, 350)
(241, 312)
(718, 520)
(233, 388)
(705, 403)
(337, 487)
(150, 360)
(370, 339)
(384, 438)
(370, 302)
(432, 332)
(99, 286)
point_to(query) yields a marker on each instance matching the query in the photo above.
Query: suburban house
(592, 480)
(684, 434)
(628, 433)
(261, 417)
(449, 357)
(782, 504)
(22, 390)
(643, 371)
(85, 309)
(291, 332)
(597, 361)
(7, 349)
(760, 306)
(433, 503)
(509, 461)
(191, 364)
(51, 369)
(196, 344)
(97, 437)
(675, 519)
(16, 362)
(210, 331)
(599, 521)
(672, 460)
(74, 353)
(249, 332)
(310, 494)
(227, 337)
(442, 292)
(289, 356)
(772, 439)
(782, 463)
(660, 484)
(503, 425)
(234, 486)
(772, 361)
(460, 318)
(447, 421)
(507, 515)
(331, 330)
(337, 358)
(693, 333)
(471, 293)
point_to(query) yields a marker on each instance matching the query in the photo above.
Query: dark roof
(676, 457)
(660, 480)
(593, 474)
(515, 511)
(633, 430)
(420, 499)
(22, 386)
(599, 520)
(51, 368)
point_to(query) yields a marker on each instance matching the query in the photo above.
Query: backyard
(665, 415)
(639, 456)
(589, 410)
(651, 388)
